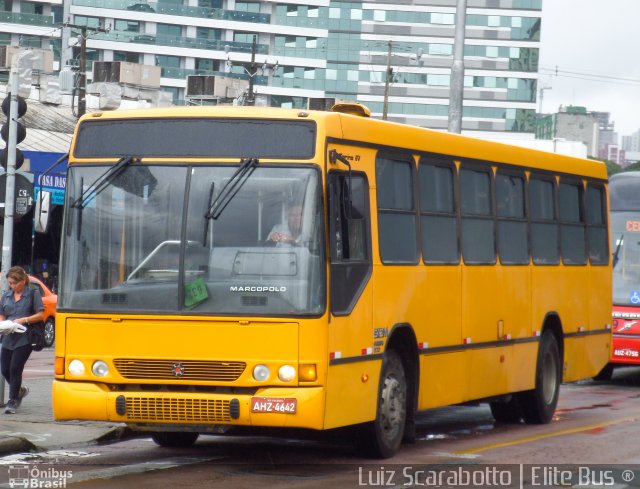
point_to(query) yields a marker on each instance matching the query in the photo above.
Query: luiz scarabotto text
(487, 476)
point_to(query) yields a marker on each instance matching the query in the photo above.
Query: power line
(596, 77)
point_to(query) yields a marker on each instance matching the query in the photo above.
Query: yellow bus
(229, 267)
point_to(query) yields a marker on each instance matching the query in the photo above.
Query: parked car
(50, 302)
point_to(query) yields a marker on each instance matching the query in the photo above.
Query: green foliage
(633, 167)
(613, 168)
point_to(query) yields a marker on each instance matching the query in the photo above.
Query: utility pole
(456, 92)
(387, 81)
(251, 96)
(9, 196)
(82, 80)
(82, 74)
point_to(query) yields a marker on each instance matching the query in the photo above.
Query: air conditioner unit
(41, 59)
(209, 86)
(323, 103)
(126, 72)
(201, 86)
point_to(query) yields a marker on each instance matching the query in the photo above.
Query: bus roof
(366, 130)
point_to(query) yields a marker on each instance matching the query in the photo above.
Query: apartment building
(311, 49)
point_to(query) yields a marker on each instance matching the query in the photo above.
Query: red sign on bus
(633, 226)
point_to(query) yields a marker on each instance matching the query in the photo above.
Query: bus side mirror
(43, 203)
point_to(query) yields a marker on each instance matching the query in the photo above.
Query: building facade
(308, 49)
(631, 142)
(572, 124)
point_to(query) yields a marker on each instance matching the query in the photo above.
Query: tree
(633, 167)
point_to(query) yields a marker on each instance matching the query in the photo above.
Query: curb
(119, 433)
(15, 444)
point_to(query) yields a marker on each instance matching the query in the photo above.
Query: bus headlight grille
(178, 410)
(208, 370)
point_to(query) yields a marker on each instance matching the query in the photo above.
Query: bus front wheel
(382, 437)
(539, 404)
(174, 439)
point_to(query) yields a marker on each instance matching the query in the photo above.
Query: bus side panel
(352, 381)
(443, 376)
(496, 309)
(598, 347)
(444, 379)
(427, 298)
(582, 305)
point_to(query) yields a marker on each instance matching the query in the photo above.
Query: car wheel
(49, 332)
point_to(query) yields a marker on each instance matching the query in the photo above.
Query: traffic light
(21, 132)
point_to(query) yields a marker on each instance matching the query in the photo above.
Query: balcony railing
(180, 10)
(28, 19)
(179, 42)
(182, 73)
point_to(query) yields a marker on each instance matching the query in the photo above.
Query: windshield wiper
(617, 252)
(102, 182)
(206, 219)
(232, 187)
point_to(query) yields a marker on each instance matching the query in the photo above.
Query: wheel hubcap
(392, 411)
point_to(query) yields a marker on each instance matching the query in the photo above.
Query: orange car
(50, 302)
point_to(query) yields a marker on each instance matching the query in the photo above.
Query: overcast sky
(598, 42)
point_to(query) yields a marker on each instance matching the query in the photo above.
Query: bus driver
(290, 232)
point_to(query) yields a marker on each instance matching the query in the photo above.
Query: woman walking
(21, 305)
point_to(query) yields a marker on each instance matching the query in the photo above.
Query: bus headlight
(287, 373)
(76, 367)
(261, 373)
(100, 368)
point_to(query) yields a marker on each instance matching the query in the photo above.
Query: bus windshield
(147, 241)
(625, 246)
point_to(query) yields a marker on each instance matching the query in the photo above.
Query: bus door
(351, 341)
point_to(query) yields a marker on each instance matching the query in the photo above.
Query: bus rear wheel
(539, 404)
(174, 439)
(382, 437)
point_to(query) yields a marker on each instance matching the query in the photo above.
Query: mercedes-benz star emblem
(177, 369)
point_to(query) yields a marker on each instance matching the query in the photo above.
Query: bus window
(478, 243)
(397, 232)
(572, 228)
(597, 225)
(513, 246)
(349, 238)
(544, 229)
(438, 220)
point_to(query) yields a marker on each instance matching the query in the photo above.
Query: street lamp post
(456, 93)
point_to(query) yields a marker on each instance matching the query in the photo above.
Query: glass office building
(314, 49)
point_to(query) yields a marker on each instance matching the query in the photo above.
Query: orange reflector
(59, 366)
(307, 373)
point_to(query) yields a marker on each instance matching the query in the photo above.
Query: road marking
(40, 371)
(528, 439)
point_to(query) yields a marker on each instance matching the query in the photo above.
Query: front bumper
(93, 401)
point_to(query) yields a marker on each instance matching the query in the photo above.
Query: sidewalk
(32, 428)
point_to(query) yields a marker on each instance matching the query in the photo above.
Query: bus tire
(382, 437)
(539, 404)
(507, 412)
(174, 439)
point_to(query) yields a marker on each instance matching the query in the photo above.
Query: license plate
(280, 405)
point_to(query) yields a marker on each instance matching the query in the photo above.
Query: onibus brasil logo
(31, 476)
